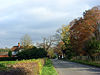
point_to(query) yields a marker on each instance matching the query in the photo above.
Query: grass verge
(87, 63)
(48, 68)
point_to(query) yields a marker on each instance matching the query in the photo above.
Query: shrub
(10, 53)
(51, 53)
(8, 58)
(69, 54)
(32, 53)
(92, 47)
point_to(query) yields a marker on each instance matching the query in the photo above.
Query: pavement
(71, 68)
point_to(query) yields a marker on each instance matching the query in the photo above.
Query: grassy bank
(48, 68)
(27, 67)
(6, 64)
(91, 63)
(23, 67)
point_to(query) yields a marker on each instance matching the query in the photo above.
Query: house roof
(3, 53)
(16, 48)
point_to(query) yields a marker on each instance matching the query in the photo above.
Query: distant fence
(96, 58)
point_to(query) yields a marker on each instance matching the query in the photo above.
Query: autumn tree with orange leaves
(84, 28)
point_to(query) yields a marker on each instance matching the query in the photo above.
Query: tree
(10, 53)
(47, 43)
(92, 47)
(51, 53)
(64, 45)
(60, 47)
(84, 29)
(26, 41)
(62, 34)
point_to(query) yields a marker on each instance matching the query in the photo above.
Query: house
(16, 49)
(3, 54)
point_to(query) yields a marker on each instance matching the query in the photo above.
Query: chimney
(19, 45)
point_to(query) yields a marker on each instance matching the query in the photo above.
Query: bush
(8, 58)
(32, 53)
(92, 47)
(51, 53)
(69, 54)
(10, 53)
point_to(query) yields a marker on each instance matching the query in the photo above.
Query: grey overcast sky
(38, 18)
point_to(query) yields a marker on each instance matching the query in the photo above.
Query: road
(71, 68)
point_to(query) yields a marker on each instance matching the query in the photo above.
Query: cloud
(2, 33)
(46, 14)
(4, 18)
(38, 18)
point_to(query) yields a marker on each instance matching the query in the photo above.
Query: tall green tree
(64, 44)
(63, 34)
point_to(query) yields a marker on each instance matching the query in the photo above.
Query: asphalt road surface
(71, 68)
